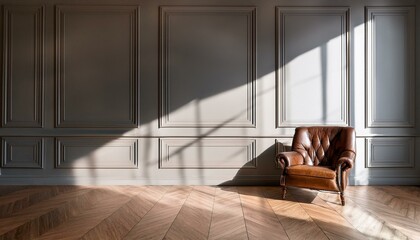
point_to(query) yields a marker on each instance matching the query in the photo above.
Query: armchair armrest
(346, 160)
(286, 159)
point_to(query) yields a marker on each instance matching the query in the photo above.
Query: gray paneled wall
(197, 92)
(96, 66)
(208, 51)
(312, 75)
(390, 66)
(23, 66)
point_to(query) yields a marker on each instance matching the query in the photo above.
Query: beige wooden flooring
(206, 212)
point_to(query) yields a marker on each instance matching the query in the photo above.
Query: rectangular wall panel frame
(38, 101)
(164, 93)
(408, 142)
(409, 13)
(281, 13)
(134, 11)
(37, 143)
(166, 143)
(61, 143)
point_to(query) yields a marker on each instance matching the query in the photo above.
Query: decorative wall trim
(172, 148)
(166, 13)
(408, 79)
(9, 15)
(396, 152)
(96, 153)
(14, 147)
(263, 180)
(60, 75)
(281, 14)
(372, 181)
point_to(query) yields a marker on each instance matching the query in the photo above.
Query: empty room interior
(210, 119)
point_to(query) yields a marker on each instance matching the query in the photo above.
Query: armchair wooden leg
(343, 201)
(284, 192)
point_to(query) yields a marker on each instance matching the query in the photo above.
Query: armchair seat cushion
(311, 171)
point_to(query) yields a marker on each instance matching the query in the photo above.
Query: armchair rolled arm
(287, 159)
(346, 160)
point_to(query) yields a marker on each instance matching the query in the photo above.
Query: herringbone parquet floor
(207, 212)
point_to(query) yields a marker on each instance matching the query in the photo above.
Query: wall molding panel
(205, 50)
(194, 153)
(96, 153)
(97, 86)
(307, 90)
(390, 152)
(390, 83)
(23, 66)
(22, 152)
(199, 92)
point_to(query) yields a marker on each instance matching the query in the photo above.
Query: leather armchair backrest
(323, 145)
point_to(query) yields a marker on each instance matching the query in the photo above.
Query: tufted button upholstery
(320, 158)
(323, 145)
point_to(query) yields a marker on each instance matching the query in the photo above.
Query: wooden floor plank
(387, 210)
(8, 189)
(34, 220)
(414, 191)
(193, 220)
(261, 222)
(102, 205)
(126, 217)
(331, 222)
(293, 216)
(206, 212)
(21, 199)
(406, 203)
(364, 221)
(156, 223)
(228, 219)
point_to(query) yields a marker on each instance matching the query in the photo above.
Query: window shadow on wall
(210, 73)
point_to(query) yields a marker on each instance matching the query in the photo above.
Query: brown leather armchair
(320, 159)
